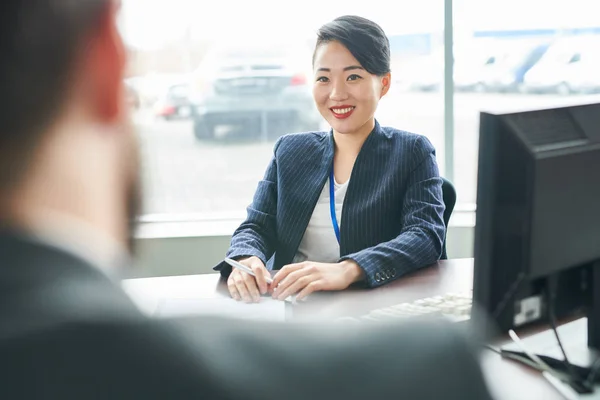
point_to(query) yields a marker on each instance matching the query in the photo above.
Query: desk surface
(507, 380)
(443, 277)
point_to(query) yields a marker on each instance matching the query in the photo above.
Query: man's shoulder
(105, 358)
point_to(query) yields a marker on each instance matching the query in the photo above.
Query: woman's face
(344, 92)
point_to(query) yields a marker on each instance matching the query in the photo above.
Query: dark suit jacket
(392, 219)
(67, 332)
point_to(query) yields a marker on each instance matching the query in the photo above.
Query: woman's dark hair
(365, 39)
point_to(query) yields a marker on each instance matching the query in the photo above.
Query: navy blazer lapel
(366, 168)
(315, 176)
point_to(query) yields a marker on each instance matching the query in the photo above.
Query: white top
(319, 243)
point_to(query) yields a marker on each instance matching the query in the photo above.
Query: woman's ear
(386, 81)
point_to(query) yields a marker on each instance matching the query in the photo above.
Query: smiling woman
(361, 202)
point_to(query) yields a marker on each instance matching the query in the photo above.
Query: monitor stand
(573, 336)
(580, 338)
(593, 325)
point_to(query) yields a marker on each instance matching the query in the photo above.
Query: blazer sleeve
(423, 230)
(257, 235)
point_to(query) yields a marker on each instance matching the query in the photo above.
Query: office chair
(449, 196)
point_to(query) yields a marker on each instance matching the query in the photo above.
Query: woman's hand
(308, 277)
(243, 286)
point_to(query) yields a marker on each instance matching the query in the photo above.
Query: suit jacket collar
(42, 286)
(77, 237)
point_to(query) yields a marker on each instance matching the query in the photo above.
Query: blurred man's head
(66, 142)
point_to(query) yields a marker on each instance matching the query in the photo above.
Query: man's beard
(134, 192)
(134, 208)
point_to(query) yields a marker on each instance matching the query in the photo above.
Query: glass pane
(217, 85)
(518, 55)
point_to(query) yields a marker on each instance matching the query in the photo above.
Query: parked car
(133, 97)
(586, 79)
(471, 69)
(569, 65)
(508, 73)
(175, 103)
(263, 87)
(424, 73)
(152, 86)
(472, 61)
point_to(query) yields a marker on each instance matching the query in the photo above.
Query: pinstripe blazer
(392, 217)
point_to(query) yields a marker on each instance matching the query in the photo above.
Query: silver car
(262, 88)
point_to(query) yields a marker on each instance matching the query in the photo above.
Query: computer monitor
(538, 216)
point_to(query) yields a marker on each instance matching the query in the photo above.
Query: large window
(515, 55)
(216, 85)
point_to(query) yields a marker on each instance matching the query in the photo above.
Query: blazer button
(378, 277)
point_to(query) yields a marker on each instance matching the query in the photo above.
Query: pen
(242, 267)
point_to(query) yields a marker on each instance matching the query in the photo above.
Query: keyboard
(453, 306)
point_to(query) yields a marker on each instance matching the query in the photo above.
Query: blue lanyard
(334, 221)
